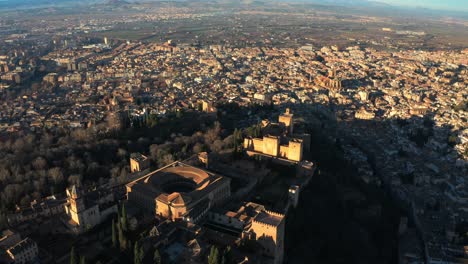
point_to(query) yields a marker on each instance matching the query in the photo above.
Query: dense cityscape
(225, 132)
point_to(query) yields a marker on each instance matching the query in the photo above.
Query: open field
(281, 25)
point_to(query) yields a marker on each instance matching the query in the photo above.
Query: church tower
(333, 81)
(77, 204)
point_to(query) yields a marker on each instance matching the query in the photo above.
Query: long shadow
(373, 174)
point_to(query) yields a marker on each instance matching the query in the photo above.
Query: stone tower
(77, 204)
(268, 228)
(333, 81)
(286, 119)
(295, 149)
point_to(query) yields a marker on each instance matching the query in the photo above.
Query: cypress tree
(114, 235)
(235, 140)
(226, 255)
(124, 218)
(73, 257)
(135, 254)
(141, 253)
(122, 239)
(259, 130)
(213, 258)
(119, 219)
(138, 254)
(157, 257)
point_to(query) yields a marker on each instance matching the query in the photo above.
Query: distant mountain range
(340, 2)
(116, 2)
(36, 3)
(13, 3)
(372, 4)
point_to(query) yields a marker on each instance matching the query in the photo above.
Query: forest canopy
(36, 165)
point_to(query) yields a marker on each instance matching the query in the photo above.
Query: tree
(217, 146)
(82, 260)
(136, 259)
(197, 148)
(141, 253)
(39, 163)
(114, 235)
(73, 257)
(56, 175)
(122, 153)
(258, 130)
(138, 254)
(227, 257)
(153, 149)
(213, 133)
(213, 258)
(179, 113)
(82, 135)
(122, 238)
(237, 135)
(250, 131)
(114, 121)
(119, 219)
(452, 140)
(123, 175)
(236, 144)
(157, 257)
(19, 145)
(151, 120)
(25, 201)
(124, 222)
(75, 179)
(3, 221)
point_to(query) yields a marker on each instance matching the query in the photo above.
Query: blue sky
(460, 5)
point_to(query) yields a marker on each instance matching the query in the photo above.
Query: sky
(456, 5)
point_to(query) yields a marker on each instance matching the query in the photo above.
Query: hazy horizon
(446, 5)
(453, 5)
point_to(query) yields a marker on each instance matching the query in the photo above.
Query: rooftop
(269, 218)
(138, 157)
(21, 246)
(177, 183)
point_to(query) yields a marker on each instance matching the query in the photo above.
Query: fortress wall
(257, 144)
(248, 144)
(271, 238)
(284, 151)
(295, 150)
(264, 230)
(271, 146)
(178, 212)
(287, 120)
(306, 139)
(162, 209)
